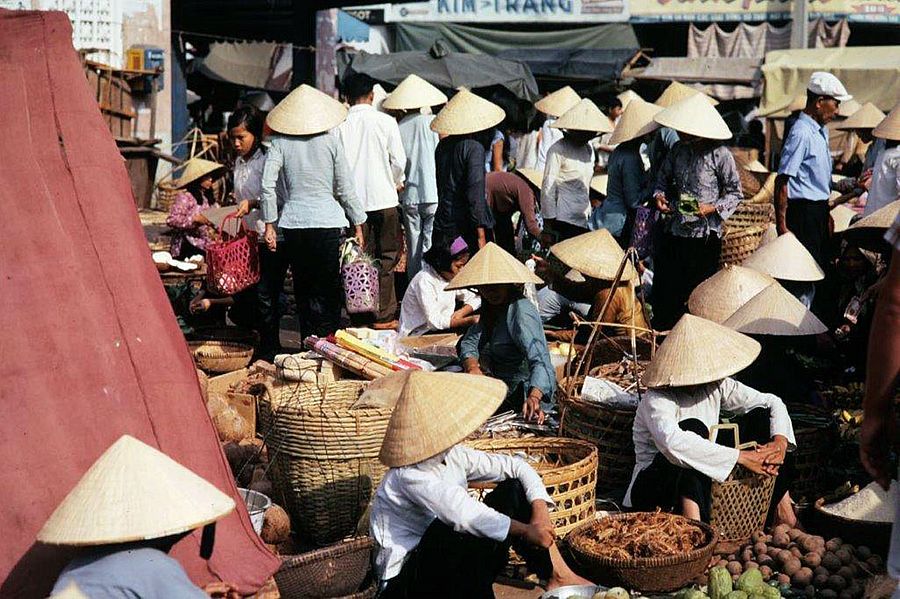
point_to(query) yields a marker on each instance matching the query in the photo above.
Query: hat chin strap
(207, 540)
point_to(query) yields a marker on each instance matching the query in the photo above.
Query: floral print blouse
(181, 218)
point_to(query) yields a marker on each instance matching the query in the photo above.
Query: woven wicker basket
(220, 356)
(165, 195)
(609, 428)
(815, 433)
(568, 468)
(750, 214)
(336, 571)
(225, 333)
(751, 182)
(325, 464)
(738, 244)
(643, 574)
(766, 193)
(875, 535)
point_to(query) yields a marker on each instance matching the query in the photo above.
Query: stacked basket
(325, 454)
(745, 228)
(220, 356)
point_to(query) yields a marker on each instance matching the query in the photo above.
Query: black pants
(808, 220)
(449, 564)
(662, 484)
(566, 230)
(504, 233)
(681, 263)
(272, 272)
(314, 257)
(382, 231)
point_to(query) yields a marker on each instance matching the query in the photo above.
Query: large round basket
(642, 574)
(220, 356)
(336, 571)
(875, 535)
(751, 182)
(325, 454)
(815, 433)
(225, 333)
(738, 243)
(739, 507)
(749, 214)
(568, 468)
(609, 428)
(165, 195)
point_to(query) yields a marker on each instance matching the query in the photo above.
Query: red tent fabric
(89, 348)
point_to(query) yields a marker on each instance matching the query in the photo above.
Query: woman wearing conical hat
(697, 189)
(690, 384)
(192, 230)
(885, 185)
(125, 515)
(432, 538)
(508, 341)
(552, 106)
(862, 122)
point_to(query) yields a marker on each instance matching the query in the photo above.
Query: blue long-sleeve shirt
(516, 349)
(626, 189)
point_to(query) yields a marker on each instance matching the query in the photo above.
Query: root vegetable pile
(645, 535)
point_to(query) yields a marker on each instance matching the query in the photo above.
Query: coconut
(276, 528)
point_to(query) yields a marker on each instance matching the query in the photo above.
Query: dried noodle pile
(644, 535)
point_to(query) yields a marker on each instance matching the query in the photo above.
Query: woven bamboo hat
(584, 116)
(599, 183)
(882, 218)
(133, 492)
(676, 92)
(595, 254)
(492, 265)
(694, 116)
(627, 96)
(467, 113)
(719, 296)
(889, 128)
(412, 93)
(559, 102)
(424, 423)
(637, 120)
(194, 169)
(306, 111)
(755, 166)
(841, 215)
(866, 117)
(785, 259)
(774, 311)
(532, 175)
(699, 351)
(848, 108)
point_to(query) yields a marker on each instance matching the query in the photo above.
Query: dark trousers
(382, 232)
(662, 484)
(272, 272)
(808, 220)
(566, 230)
(681, 263)
(449, 564)
(314, 257)
(504, 233)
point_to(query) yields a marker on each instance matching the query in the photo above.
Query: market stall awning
(260, 65)
(722, 78)
(560, 63)
(449, 71)
(871, 74)
(91, 349)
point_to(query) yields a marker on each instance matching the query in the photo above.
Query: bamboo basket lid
(774, 311)
(306, 111)
(786, 259)
(719, 296)
(557, 103)
(492, 265)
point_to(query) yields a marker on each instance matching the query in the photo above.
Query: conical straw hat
(889, 128)
(769, 235)
(426, 421)
(755, 166)
(584, 116)
(306, 111)
(866, 117)
(595, 254)
(599, 183)
(786, 259)
(882, 218)
(719, 296)
(414, 92)
(492, 265)
(694, 116)
(637, 120)
(627, 96)
(699, 351)
(559, 102)
(133, 492)
(532, 175)
(677, 92)
(195, 168)
(774, 311)
(841, 215)
(848, 108)
(70, 592)
(467, 113)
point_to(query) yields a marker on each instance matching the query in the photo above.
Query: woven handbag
(233, 263)
(359, 275)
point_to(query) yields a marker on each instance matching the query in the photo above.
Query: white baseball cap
(826, 84)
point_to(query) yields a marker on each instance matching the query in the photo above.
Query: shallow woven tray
(568, 468)
(875, 535)
(335, 571)
(220, 356)
(643, 574)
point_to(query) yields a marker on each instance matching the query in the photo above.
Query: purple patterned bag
(359, 276)
(642, 234)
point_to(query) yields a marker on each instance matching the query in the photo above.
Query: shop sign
(509, 11)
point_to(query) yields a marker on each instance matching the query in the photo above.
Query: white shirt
(656, 426)
(428, 306)
(549, 136)
(565, 194)
(885, 187)
(410, 498)
(526, 154)
(248, 174)
(419, 142)
(375, 155)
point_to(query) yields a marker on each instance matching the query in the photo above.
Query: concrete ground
(505, 591)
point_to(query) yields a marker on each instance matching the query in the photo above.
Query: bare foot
(785, 512)
(557, 581)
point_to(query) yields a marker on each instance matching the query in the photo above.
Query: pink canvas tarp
(89, 348)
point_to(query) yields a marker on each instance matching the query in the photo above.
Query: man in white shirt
(377, 162)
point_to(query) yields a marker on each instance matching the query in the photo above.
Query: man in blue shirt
(803, 183)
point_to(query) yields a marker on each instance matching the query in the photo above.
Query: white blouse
(428, 306)
(656, 426)
(410, 498)
(565, 193)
